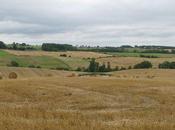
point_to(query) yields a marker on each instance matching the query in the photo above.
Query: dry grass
(115, 61)
(88, 103)
(26, 73)
(131, 61)
(74, 54)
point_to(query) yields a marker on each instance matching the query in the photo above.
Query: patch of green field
(130, 54)
(74, 63)
(42, 61)
(3, 53)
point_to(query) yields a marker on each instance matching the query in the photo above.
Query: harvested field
(88, 103)
(131, 61)
(74, 54)
(25, 73)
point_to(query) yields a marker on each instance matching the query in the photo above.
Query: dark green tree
(93, 66)
(143, 65)
(2, 45)
(108, 67)
(102, 68)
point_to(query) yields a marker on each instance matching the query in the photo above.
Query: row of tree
(57, 47)
(167, 65)
(97, 67)
(67, 47)
(16, 46)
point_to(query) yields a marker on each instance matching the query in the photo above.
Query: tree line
(97, 67)
(57, 47)
(68, 47)
(16, 46)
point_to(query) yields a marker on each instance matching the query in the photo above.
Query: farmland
(79, 59)
(49, 61)
(47, 99)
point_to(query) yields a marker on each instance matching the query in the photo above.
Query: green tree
(143, 65)
(2, 45)
(93, 66)
(102, 68)
(108, 66)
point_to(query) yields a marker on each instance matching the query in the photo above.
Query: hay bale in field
(1, 77)
(13, 75)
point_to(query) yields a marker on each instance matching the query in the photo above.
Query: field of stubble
(129, 100)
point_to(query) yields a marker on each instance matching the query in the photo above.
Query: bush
(149, 56)
(63, 55)
(14, 64)
(61, 68)
(122, 68)
(167, 65)
(39, 67)
(130, 67)
(143, 65)
(78, 69)
(116, 68)
(31, 66)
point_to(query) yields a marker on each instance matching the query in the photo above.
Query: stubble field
(128, 100)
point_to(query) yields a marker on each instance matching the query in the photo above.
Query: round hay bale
(13, 75)
(1, 77)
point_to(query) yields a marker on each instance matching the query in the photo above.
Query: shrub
(61, 68)
(116, 68)
(122, 68)
(143, 65)
(79, 69)
(167, 65)
(130, 67)
(38, 67)
(149, 56)
(31, 66)
(63, 55)
(14, 64)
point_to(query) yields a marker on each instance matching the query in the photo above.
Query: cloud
(102, 22)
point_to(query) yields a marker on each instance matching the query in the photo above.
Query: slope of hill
(41, 59)
(31, 72)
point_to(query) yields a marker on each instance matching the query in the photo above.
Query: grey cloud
(91, 20)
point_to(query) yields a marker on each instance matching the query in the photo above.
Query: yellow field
(102, 58)
(75, 54)
(131, 61)
(26, 73)
(128, 100)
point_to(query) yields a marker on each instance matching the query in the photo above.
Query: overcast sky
(90, 22)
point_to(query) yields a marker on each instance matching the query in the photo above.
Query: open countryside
(50, 93)
(87, 65)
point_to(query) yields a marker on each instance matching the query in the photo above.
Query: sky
(88, 22)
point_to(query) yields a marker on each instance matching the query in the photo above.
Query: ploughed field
(41, 99)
